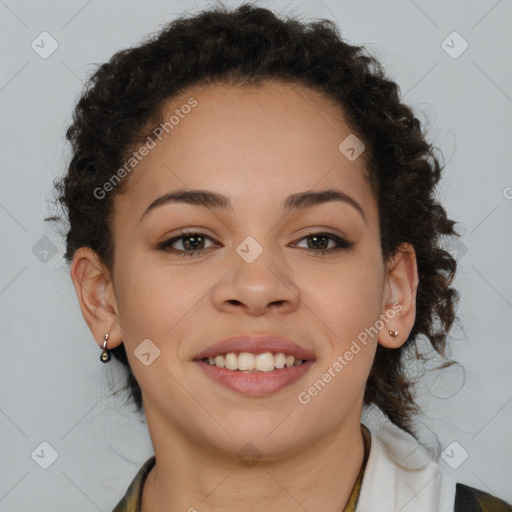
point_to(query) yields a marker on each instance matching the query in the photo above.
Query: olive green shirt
(467, 499)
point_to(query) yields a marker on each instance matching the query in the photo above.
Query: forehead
(248, 143)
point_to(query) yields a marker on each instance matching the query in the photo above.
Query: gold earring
(105, 355)
(393, 334)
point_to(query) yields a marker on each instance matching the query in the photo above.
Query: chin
(263, 436)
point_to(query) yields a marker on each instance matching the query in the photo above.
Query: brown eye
(192, 244)
(319, 242)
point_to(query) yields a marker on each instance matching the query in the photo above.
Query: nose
(259, 287)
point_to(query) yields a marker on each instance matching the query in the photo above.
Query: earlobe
(94, 289)
(399, 304)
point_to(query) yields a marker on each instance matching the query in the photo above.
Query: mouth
(255, 365)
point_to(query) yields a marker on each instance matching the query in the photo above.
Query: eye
(320, 241)
(192, 243)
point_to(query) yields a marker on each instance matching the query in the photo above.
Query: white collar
(400, 475)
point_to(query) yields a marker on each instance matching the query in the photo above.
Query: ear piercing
(105, 355)
(393, 334)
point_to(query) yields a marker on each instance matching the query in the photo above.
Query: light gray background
(53, 384)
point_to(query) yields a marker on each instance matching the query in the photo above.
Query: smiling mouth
(254, 363)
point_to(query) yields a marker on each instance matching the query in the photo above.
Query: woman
(254, 234)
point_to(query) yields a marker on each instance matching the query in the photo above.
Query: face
(312, 273)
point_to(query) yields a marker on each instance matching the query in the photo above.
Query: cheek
(336, 390)
(149, 304)
(161, 303)
(345, 301)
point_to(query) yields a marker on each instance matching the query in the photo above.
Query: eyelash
(343, 245)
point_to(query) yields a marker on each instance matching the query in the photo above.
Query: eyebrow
(297, 201)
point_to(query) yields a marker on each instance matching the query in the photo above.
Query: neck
(194, 479)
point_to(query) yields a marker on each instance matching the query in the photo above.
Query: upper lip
(256, 344)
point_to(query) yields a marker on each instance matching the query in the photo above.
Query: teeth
(245, 361)
(231, 361)
(280, 360)
(264, 362)
(290, 360)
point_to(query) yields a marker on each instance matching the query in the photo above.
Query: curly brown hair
(245, 46)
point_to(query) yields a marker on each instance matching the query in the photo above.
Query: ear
(399, 302)
(95, 291)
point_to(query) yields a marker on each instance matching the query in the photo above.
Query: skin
(256, 146)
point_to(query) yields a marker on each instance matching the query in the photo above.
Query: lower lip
(256, 383)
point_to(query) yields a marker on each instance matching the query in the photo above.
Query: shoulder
(132, 499)
(469, 499)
